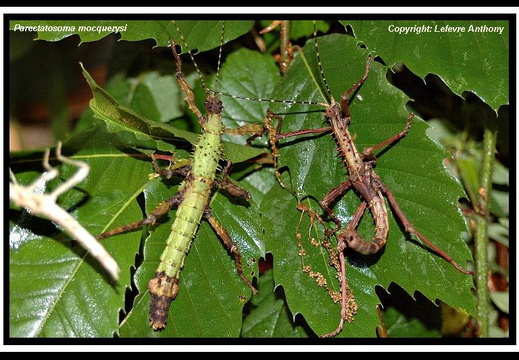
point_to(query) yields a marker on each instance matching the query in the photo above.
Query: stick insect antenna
(320, 65)
(188, 50)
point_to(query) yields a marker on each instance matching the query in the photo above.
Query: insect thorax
(213, 105)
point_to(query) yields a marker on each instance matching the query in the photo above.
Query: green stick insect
(192, 199)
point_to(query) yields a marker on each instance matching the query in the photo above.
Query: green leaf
(501, 299)
(135, 129)
(56, 289)
(201, 35)
(270, 316)
(412, 169)
(157, 97)
(469, 168)
(467, 61)
(207, 35)
(399, 326)
(121, 119)
(499, 233)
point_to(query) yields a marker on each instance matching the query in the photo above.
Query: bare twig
(483, 207)
(45, 205)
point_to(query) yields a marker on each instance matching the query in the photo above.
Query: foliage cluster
(140, 110)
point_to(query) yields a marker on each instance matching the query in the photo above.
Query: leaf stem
(481, 240)
(285, 45)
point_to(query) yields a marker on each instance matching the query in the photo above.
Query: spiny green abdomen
(184, 227)
(196, 190)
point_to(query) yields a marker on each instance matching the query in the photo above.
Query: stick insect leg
(331, 197)
(176, 168)
(161, 209)
(348, 305)
(345, 97)
(230, 245)
(255, 130)
(409, 227)
(273, 140)
(228, 185)
(190, 96)
(368, 152)
(275, 134)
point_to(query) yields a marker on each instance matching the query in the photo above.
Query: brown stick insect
(362, 179)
